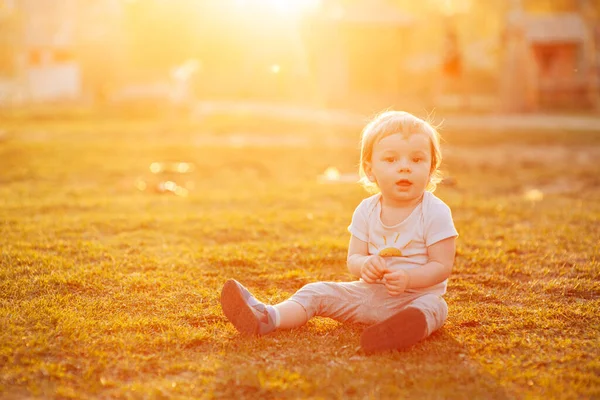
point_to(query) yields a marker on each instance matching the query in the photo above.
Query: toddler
(401, 249)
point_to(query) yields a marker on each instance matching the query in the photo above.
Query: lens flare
(534, 195)
(332, 174)
(156, 168)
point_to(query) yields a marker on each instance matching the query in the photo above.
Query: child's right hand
(373, 269)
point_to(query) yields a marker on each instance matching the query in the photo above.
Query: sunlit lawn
(112, 292)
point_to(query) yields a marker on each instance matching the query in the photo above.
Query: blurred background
(157, 55)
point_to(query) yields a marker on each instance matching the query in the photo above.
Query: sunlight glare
(180, 191)
(156, 168)
(170, 186)
(332, 174)
(534, 195)
(141, 185)
(287, 7)
(450, 7)
(294, 6)
(184, 167)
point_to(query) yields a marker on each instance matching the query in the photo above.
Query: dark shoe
(236, 309)
(400, 331)
(248, 315)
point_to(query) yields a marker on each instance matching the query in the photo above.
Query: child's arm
(437, 269)
(362, 265)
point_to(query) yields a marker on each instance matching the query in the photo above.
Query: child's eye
(417, 159)
(389, 159)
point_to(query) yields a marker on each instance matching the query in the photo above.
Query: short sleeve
(439, 224)
(359, 226)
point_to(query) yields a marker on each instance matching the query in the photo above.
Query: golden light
(156, 168)
(451, 7)
(534, 195)
(332, 174)
(184, 167)
(141, 185)
(295, 6)
(285, 7)
(275, 68)
(170, 186)
(180, 191)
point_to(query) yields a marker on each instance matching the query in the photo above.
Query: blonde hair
(389, 123)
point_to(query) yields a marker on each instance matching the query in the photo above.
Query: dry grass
(111, 292)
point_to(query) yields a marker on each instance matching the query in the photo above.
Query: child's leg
(292, 315)
(354, 302)
(419, 319)
(344, 301)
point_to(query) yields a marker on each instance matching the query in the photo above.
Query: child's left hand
(396, 282)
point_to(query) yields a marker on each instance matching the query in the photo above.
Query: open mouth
(403, 183)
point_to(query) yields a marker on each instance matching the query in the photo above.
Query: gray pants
(366, 303)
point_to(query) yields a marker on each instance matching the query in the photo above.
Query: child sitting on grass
(402, 248)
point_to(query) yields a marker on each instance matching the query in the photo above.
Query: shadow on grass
(324, 360)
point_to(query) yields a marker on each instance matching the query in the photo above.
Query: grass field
(108, 291)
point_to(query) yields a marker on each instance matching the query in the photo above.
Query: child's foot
(248, 315)
(400, 331)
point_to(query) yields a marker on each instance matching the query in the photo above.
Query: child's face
(401, 167)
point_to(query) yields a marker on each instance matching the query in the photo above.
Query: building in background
(47, 64)
(549, 59)
(336, 52)
(562, 61)
(56, 48)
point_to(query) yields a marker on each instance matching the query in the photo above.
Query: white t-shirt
(404, 245)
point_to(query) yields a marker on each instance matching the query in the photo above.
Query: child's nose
(403, 165)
